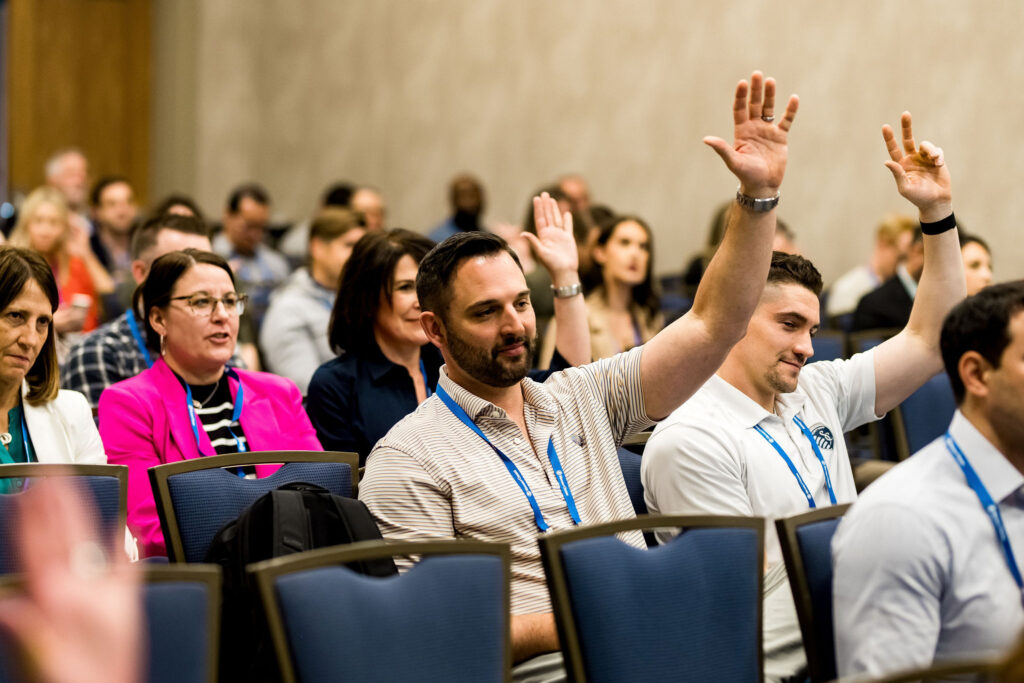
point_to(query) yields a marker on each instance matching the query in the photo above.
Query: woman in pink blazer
(190, 403)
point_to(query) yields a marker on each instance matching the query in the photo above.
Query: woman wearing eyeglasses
(190, 403)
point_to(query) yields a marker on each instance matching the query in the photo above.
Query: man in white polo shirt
(764, 439)
(921, 573)
(496, 457)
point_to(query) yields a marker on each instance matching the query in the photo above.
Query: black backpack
(290, 519)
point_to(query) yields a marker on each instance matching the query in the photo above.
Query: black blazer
(888, 305)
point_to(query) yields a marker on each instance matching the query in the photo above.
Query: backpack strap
(291, 523)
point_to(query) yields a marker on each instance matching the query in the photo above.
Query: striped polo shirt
(433, 478)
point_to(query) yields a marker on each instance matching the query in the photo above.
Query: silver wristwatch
(567, 291)
(757, 205)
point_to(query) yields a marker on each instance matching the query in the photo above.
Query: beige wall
(403, 94)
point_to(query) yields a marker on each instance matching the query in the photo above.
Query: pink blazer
(144, 422)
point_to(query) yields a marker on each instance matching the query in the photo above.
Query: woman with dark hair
(38, 421)
(388, 367)
(190, 403)
(622, 306)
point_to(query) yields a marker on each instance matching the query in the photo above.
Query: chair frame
(159, 474)
(786, 528)
(554, 571)
(208, 574)
(966, 666)
(268, 571)
(37, 469)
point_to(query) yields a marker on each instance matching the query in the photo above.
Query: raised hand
(554, 244)
(921, 173)
(758, 154)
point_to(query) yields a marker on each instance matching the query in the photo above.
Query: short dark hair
(155, 290)
(366, 276)
(173, 200)
(979, 323)
(966, 238)
(17, 267)
(253, 191)
(144, 238)
(102, 184)
(433, 284)
(338, 194)
(794, 269)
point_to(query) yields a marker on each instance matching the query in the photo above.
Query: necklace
(6, 438)
(202, 404)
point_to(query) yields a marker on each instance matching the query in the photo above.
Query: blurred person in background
(892, 241)
(368, 202)
(67, 171)
(466, 197)
(294, 334)
(44, 226)
(294, 244)
(977, 262)
(115, 214)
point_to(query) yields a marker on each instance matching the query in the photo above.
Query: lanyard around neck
(990, 506)
(792, 467)
(235, 415)
(133, 325)
(556, 465)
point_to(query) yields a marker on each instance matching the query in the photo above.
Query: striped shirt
(214, 410)
(433, 478)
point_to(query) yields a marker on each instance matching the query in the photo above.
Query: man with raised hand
(499, 458)
(764, 439)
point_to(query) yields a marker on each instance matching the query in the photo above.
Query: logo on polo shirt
(578, 440)
(823, 437)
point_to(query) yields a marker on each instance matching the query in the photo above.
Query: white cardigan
(63, 432)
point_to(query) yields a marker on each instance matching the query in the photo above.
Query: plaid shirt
(107, 356)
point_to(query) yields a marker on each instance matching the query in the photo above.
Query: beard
(779, 383)
(488, 366)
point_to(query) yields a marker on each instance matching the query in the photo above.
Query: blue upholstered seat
(177, 632)
(925, 414)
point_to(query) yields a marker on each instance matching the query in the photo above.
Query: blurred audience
(259, 268)
(191, 403)
(368, 202)
(622, 305)
(889, 304)
(115, 214)
(466, 196)
(295, 242)
(117, 350)
(294, 338)
(67, 171)
(44, 226)
(892, 242)
(977, 262)
(179, 205)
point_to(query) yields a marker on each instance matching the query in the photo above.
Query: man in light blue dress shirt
(927, 562)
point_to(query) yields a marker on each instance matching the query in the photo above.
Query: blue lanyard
(235, 416)
(139, 341)
(24, 441)
(426, 382)
(990, 506)
(792, 467)
(556, 465)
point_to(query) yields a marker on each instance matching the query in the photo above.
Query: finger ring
(769, 118)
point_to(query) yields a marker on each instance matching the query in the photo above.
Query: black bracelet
(939, 227)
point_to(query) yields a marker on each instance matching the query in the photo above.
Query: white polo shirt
(706, 458)
(919, 572)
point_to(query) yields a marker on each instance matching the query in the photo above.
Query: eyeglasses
(204, 304)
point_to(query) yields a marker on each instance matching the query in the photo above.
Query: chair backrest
(106, 486)
(829, 345)
(630, 464)
(196, 498)
(976, 671)
(924, 415)
(806, 542)
(445, 619)
(182, 607)
(690, 607)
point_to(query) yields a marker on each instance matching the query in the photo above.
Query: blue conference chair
(630, 464)
(688, 610)
(181, 607)
(106, 486)
(924, 416)
(446, 619)
(196, 498)
(829, 345)
(806, 542)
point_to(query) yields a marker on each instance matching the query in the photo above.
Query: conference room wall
(403, 94)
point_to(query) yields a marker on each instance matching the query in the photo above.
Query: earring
(163, 345)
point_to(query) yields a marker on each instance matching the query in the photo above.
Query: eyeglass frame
(237, 309)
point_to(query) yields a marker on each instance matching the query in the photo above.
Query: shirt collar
(746, 410)
(534, 395)
(998, 475)
(908, 282)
